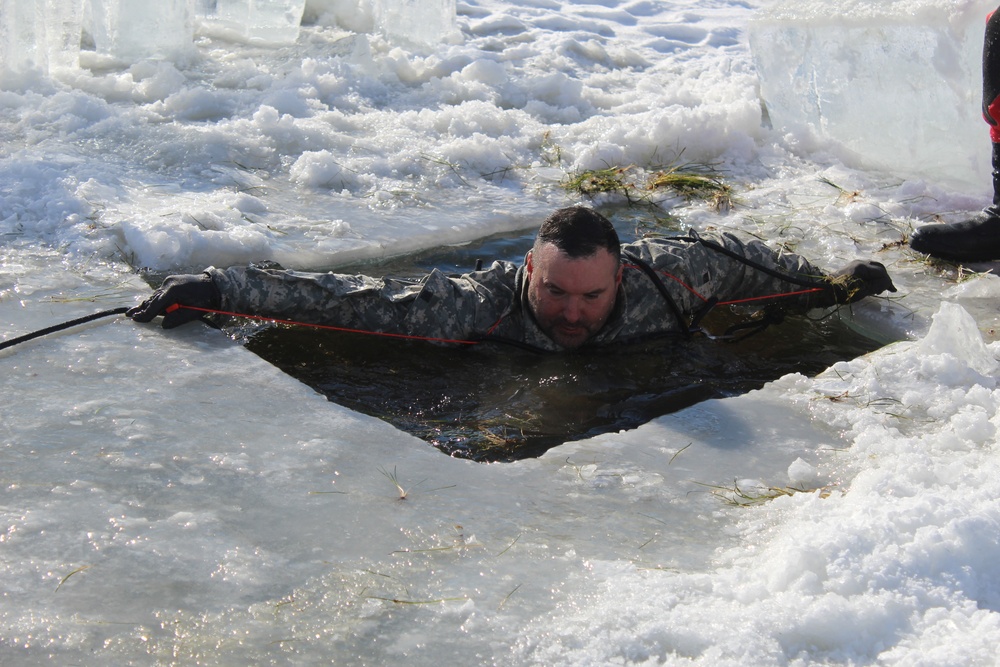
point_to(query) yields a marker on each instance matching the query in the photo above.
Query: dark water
(497, 403)
(503, 403)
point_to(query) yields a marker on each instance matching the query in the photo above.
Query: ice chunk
(39, 34)
(131, 30)
(20, 24)
(255, 21)
(955, 332)
(897, 84)
(416, 21)
(63, 25)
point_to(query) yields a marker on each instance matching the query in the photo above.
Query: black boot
(973, 240)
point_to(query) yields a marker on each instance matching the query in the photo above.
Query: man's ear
(527, 263)
(618, 278)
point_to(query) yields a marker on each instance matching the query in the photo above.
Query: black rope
(662, 289)
(60, 327)
(749, 327)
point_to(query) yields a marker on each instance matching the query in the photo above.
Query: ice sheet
(39, 35)
(416, 21)
(894, 86)
(130, 30)
(256, 21)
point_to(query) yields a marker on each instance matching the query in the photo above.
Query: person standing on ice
(577, 287)
(978, 238)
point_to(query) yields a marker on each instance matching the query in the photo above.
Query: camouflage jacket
(666, 282)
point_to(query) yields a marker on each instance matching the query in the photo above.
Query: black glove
(186, 290)
(858, 280)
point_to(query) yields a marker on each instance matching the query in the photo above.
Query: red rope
(811, 290)
(386, 334)
(695, 292)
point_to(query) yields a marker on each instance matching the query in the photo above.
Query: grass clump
(646, 187)
(594, 182)
(694, 186)
(392, 477)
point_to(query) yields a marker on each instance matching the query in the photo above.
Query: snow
(169, 497)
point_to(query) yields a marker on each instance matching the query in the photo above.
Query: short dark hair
(579, 232)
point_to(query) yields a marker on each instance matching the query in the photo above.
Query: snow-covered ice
(168, 497)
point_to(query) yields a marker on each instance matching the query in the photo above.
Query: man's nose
(571, 313)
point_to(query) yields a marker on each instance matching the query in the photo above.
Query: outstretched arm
(436, 306)
(728, 269)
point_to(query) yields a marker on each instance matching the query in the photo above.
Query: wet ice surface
(171, 497)
(191, 493)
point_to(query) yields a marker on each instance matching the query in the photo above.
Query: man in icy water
(578, 287)
(978, 238)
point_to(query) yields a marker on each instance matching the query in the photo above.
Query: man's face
(571, 298)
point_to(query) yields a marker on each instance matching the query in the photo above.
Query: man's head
(574, 270)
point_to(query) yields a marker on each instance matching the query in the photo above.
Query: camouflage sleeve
(436, 306)
(723, 266)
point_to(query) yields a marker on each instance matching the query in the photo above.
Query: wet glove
(186, 290)
(856, 281)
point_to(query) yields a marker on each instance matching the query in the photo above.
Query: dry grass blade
(76, 571)
(399, 601)
(507, 597)
(758, 495)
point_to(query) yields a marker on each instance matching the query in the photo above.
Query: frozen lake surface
(169, 497)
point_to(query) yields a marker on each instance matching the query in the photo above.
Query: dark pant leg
(991, 93)
(991, 75)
